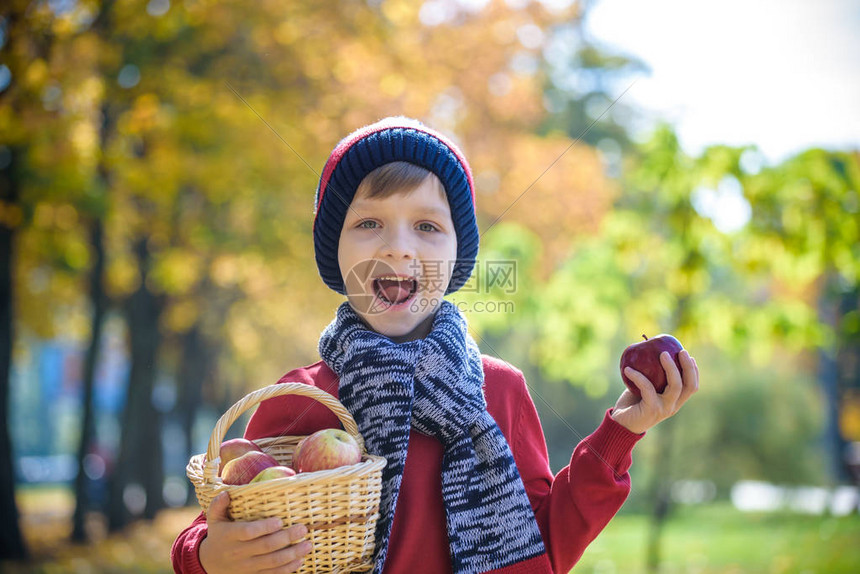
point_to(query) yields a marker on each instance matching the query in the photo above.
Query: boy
(467, 487)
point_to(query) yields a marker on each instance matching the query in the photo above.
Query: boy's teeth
(395, 290)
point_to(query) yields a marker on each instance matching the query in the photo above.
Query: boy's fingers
(253, 530)
(278, 540)
(691, 379)
(688, 365)
(293, 566)
(296, 532)
(218, 509)
(646, 389)
(694, 383)
(285, 560)
(673, 375)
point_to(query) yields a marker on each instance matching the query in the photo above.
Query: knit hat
(386, 141)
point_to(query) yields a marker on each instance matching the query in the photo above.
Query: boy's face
(396, 255)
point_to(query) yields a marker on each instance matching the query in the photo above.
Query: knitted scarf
(434, 385)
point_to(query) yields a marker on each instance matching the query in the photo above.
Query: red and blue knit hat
(386, 141)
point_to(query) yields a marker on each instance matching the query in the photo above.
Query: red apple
(645, 358)
(234, 448)
(243, 469)
(274, 472)
(325, 449)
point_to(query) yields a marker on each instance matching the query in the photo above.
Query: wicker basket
(339, 507)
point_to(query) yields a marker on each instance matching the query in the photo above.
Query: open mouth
(393, 290)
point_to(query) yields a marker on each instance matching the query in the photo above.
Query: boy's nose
(398, 245)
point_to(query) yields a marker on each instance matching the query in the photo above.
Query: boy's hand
(256, 546)
(638, 415)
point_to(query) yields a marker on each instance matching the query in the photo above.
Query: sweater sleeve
(574, 506)
(186, 548)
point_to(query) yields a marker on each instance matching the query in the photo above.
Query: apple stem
(644, 337)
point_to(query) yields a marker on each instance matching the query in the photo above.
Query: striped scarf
(434, 385)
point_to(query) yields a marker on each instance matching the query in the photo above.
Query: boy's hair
(393, 178)
(388, 142)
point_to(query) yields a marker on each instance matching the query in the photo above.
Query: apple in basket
(274, 472)
(234, 448)
(243, 469)
(326, 449)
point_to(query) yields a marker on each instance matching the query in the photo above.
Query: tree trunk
(831, 310)
(139, 464)
(99, 306)
(98, 301)
(193, 371)
(11, 542)
(661, 488)
(663, 470)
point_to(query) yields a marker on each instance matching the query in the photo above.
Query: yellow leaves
(648, 312)
(505, 31)
(348, 69)
(11, 215)
(287, 32)
(242, 333)
(553, 187)
(400, 12)
(249, 271)
(181, 315)
(176, 271)
(36, 74)
(687, 281)
(392, 85)
(76, 253)
(849, 415)
(123, 276)
(256, 275)
(84, 139)
(225, 270)
(145, 114)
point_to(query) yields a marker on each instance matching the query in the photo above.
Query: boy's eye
(426, 226)
(367, 224)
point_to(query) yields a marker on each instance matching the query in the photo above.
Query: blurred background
(640, 168)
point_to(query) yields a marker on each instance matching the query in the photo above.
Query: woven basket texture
(339, 507)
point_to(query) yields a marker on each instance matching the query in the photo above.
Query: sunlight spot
(436, 12)
(129, 76)
(500, 84)
(134, 497)
(175, 491)
(752, 161)
(158, 7)
(530, 36)
(94, 466)
(725, 206)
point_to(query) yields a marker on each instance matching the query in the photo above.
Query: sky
(781, 74)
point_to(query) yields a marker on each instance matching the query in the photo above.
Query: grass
(718, 539)
(46, 522)
(713, 539)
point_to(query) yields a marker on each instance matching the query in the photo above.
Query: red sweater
(571, 508)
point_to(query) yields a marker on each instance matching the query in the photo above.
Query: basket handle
(277, 390)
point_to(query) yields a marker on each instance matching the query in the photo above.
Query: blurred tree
(95, 209)
(661, 263)
(26, 38)
(805, 232)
